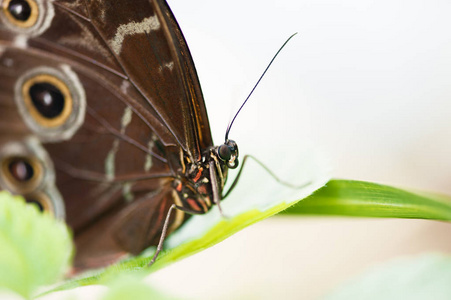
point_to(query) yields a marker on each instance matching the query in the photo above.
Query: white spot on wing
(21, 41)
(126, 118)
(110, 160)
(8, 62)
(124, 86)
(148, 24)
(169, 65)
(148, 160)
(127, 192)
(148, 163)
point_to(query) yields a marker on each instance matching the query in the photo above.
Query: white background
(369, 83)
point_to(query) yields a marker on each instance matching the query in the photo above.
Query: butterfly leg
(235, 181)
(165, 229)
(163, 235)
(215, 184)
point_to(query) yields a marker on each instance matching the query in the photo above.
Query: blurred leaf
(365, 199)
(35, 249)
(6, 294)
(425, 277)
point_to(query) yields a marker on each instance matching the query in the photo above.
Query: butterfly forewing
(145, 44)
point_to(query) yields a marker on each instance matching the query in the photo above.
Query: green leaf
(35, 249)
(424, 277)
(365, 199)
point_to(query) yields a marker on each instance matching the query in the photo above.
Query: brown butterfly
(103, 123)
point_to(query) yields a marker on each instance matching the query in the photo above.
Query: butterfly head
(228, 153)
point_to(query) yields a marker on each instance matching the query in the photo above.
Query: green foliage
(366, 199)
(424, 277)
(35, 249)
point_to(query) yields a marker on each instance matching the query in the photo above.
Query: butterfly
(103, 122)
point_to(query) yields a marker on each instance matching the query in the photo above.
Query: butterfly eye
(52, 103)
(232, 163)
(27, 17)
(228, 152)
(233, 147)
(224, 152)
(21, 13)
(20, 170)
(48, 100)
(21, 174)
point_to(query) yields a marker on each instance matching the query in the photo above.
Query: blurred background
(368, 82)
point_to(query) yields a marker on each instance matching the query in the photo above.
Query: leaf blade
(366, 199)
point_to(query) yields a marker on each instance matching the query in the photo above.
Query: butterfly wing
(136, 101)
(143, 222)
(146, 41)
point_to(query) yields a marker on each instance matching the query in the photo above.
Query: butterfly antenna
(247, 98)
